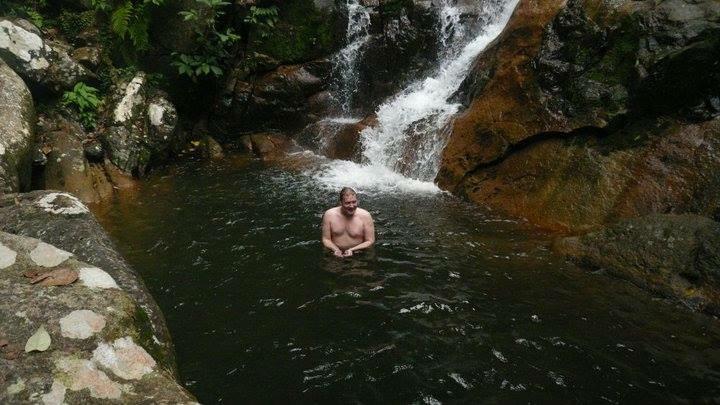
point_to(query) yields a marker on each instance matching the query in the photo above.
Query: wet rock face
(65, 223)
(17, 131)
(601, 61)
(586, 112)
(141, 127)
(674, 255)
(96, 349)
(42, 62)
(403, 43)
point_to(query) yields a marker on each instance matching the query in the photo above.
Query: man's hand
(338, 253)
(347, 253)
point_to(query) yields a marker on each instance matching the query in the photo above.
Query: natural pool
(453, 305)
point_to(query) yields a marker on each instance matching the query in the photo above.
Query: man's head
(348, 201)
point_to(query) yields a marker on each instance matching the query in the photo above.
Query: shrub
(85, 100)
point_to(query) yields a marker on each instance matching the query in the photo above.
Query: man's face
(348, 205)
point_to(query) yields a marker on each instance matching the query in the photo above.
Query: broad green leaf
(39, 342)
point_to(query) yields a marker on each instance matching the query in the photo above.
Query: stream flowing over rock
(17, 131)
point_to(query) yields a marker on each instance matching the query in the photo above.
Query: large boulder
(675, 255)
(336, 138)
(141, 126)
(268, 145)
(577, 183)
(17, 131)
(39, 61)
(280, 99)
(61, 220)
(583, 112)
(98, 346)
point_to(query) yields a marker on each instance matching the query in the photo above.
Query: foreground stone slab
(100, 343)
(65, 224)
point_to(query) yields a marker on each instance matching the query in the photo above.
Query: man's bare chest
(353, 227)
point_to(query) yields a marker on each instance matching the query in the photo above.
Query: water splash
(412, 126)
(406, 144)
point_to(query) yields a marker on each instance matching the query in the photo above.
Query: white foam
(413, 120)
(370, 178)
(342, 120)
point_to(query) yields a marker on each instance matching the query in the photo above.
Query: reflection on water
(452, 304)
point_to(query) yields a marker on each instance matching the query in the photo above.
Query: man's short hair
(345, 191)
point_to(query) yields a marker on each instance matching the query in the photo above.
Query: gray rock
(94, 151)
(142, 126)
(675, 255)
(61, 220)
(99, 348)
(37, 60)
(17, 133)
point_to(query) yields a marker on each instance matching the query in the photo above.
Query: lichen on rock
(62, 204)
(126, 359)
(92, 277)
(81, 324)
(109, 340)
(46, 255)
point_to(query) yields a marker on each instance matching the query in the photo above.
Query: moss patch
(303, 33)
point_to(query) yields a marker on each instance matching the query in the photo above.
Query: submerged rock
(17, 131)
(675, 255)
(94, 352)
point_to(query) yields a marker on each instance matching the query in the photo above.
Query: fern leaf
(138, 31)
(120, 18)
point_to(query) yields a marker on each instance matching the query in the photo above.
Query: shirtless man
(347, 228)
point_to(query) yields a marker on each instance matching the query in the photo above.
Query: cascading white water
(357, 36)
(403, 150)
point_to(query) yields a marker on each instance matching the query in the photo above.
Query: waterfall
(403, 150)
(345, 62)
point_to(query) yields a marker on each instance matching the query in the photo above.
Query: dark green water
(453, 305)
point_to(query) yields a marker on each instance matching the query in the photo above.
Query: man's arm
(368, 234)
(327, 236)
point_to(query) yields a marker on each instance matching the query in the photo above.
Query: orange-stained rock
(271, 145)
(510, 106)
(580, 183)
(584, 112)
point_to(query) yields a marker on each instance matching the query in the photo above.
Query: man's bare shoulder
(363, 213)
(332, 212)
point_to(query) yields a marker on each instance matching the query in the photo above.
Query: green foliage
(300, 34)
(35, 18)
(30, 10)
(195, 66)
(129, 20)
(73, 23)
(213, 44)
(85, 100)
(263, 19)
